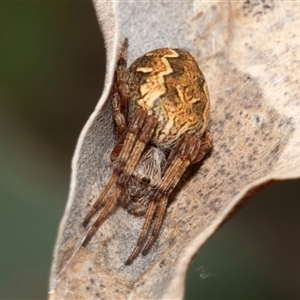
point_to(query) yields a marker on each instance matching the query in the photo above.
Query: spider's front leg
(189, 150)
(137, 136)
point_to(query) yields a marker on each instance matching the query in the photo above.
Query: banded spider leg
(137, 135)
(189, 150)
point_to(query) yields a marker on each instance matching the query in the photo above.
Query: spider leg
(188, 150)
(152, 207)
(157, 225)
(119, 94)
(191, 151)
(122, 176)
(206, 144)
(149, 215)
(124, 151)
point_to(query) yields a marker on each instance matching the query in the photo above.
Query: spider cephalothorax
(161, 109)
(142, 183)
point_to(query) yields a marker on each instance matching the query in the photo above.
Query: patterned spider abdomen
(169, 84)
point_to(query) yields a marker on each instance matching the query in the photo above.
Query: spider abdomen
(168, 83)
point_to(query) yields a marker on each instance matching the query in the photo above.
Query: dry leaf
(249, 53)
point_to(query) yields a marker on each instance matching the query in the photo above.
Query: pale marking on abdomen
(155, 85)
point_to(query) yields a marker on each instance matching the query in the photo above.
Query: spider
(161, 110)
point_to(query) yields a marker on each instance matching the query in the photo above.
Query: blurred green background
(52, 66)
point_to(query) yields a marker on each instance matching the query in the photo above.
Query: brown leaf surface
(249, 53)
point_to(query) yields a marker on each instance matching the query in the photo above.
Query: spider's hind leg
(119, 94)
